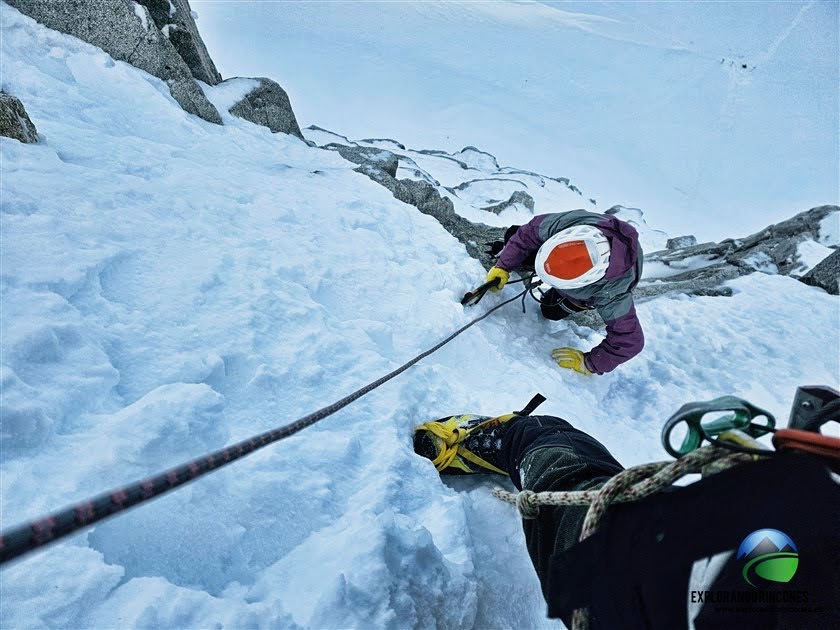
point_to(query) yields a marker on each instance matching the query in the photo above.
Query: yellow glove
(571, 359)
(501, 274)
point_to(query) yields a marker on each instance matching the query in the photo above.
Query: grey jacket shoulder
(554, 223)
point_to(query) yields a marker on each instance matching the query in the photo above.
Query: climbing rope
(25, 538)
(629, 485)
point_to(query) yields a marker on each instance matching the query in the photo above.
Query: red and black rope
(20, 540)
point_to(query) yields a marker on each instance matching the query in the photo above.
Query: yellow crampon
(449, 437)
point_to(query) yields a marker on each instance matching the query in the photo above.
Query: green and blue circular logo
(769, 556)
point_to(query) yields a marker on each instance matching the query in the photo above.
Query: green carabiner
(740, 417)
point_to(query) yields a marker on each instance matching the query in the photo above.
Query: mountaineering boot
(464, 444)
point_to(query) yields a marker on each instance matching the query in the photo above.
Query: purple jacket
(611, 296)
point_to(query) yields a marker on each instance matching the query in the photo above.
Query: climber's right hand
(501, 274)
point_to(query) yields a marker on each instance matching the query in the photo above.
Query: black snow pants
(640, 569)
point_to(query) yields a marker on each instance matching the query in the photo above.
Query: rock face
(826, 274)
(268, 105)
(518, 197)
(772, 250)
(14, 121)
(126, 31)
(175, 18)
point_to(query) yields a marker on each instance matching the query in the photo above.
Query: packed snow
(170, 286)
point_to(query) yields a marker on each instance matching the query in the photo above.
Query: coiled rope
(632, 484)
(25, 538)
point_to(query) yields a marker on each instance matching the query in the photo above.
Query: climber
(590, 261)
(667, 561)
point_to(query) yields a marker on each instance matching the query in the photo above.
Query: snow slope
(726, 116)
(169, 286)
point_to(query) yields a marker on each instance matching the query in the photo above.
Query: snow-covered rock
(268, 105)
(115, 27)
(825, 274)
(681, 241)
(14, 121)
(786, 248)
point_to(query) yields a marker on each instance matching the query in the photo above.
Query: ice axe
(471, 298)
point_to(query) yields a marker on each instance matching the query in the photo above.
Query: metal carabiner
(741, 417)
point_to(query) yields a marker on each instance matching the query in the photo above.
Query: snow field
(169, 287)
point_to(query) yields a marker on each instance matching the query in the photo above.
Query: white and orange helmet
(574, 257)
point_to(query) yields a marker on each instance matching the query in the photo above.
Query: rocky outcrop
(14, 121)
(126, 31)
(518, 197)
(381, 166)
(367, 156)
(826, 274)
(426, 198)
(779, 242)
(175, 19)
(772, 250)
(681, 241)
(268, 105)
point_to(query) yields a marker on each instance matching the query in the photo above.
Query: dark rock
(703, 281)
(680, 242)
(773, 250)
(376, 158)
(268, 105)
(803, 224)
(519, 196)
(713, 291)
(113, 26)
(777, 244)
(159, 10)
(14, 121)
(826, 274)
(190, 97)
